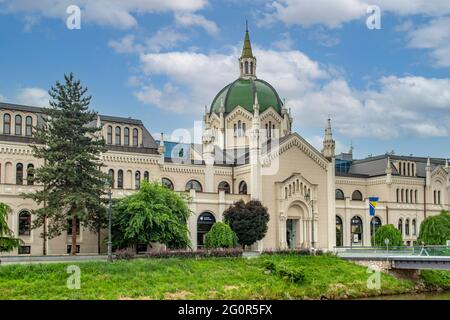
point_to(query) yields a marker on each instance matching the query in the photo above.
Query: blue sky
(163, 61)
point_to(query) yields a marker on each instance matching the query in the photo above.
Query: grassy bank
(213, 278)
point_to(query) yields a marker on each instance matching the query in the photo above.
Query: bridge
(407, 258)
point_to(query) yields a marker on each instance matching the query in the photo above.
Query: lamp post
(310, 201)
(110, 258)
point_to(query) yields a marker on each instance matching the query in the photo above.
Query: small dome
(242, 93)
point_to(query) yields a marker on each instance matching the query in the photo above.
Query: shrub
(301, 252)
(125, 254)
(289, 273)
(388, 231)
(435, 230)
(215, 253)
(220, 236)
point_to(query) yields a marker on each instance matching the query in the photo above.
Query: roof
(242, 92)
(247, 48)
(376, 165)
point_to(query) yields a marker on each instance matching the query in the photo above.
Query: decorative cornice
(239, 111)
(270, 112)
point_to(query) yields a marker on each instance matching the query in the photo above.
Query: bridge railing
(396, 251)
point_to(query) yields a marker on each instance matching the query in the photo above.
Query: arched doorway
(339, 233)
(204, 224)
(356, 228)
(295, 227)
(375, 224)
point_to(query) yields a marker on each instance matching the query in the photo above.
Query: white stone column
(282, 228)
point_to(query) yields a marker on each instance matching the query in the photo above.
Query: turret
(161, 148)
(388, 171)
(329, 144)
(247, 62)
(428, 173)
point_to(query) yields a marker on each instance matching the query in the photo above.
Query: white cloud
(190, 19)
(125, 45)
(333, 14)
(285, 43)
(434, 36)
(2, 98)
(33, 97)
(115, 13)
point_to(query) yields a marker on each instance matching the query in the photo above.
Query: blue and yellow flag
(373, 201)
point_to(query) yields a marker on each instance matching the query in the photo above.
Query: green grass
(213, 278)
(436, 278)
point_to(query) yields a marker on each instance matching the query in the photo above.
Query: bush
(300, 252)
(215, 253)
(220, 236)
(125, 254)
(388, 231)
(435, 230)
(288, 273)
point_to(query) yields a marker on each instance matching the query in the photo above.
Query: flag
(373, 201)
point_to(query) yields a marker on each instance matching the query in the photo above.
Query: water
(421, 296)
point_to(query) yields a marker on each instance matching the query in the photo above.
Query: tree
(153, 214)
(435, 230)
(220, 236)
(248, 220)
(7, 240)
(388, 231)
(70, 145)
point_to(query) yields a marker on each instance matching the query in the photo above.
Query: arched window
(146, 176)
(270, 129)
(24, 223)
(135, 137)
(109, 135)
(412, 169)
(224, 186)
(18, 127)
(285, 192)
(251, 67)
(242, 187)
(118, 136)
(407, 195)
(235, 130)
(416, 198)
(356, 228)
(111, 178)
(244, 128)
(407, 227)
(267, 130)
(411, 196)
(434, 197)
(30, 174)
(193, 184)
(28, 126)
(137, 180)
(120, 179)
(400, 168)
(126, 136)
(409, 169)
(439, 197)
(339, 232)
(167, 183)
(204, 223)
(246, 67)
(400, 226)
(414, 227)
(375, 224)
(357, 195)
(6, 123)
(403, 195)
(398, 195)
(19, 173)
(339, 194)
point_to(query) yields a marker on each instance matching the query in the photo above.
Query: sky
(385, 89)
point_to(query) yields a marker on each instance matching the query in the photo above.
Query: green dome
(242, 93)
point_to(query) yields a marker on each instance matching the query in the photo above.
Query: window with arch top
(118, 137)
(6, 123)
(24, 223)
(135, 137)
(28, 126)
(167, 183)
(357, 195)
(193, 184)
(339, 194)
(18, 128)
(109, 135)
(224, 186)
(242, 187)
(126, 136)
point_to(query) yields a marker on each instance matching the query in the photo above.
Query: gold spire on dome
(247, 48)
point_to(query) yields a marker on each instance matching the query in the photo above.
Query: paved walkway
(5, 260)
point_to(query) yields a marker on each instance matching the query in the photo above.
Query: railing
(435, 251)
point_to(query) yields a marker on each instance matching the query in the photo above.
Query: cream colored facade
(248, 151)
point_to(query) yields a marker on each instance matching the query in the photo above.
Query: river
(420, 296)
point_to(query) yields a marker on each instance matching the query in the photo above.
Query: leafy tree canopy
(153, 214)
(388, 231)
(435, 230)
(248, 220)
(7, 240)
(220, 236)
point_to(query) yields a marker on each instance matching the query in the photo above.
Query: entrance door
(204, 224)
(291, 233)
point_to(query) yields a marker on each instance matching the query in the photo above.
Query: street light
(310, 201)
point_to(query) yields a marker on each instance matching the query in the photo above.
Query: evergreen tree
(70, 145)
